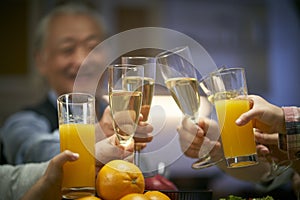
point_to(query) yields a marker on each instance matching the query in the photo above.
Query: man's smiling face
(69, 39)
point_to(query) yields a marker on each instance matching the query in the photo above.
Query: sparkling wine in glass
(125, 99)
(149, 64)
(181, 79)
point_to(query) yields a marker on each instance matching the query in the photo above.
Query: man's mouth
(71, 76)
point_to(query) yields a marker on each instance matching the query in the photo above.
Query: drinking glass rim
(125, 66)
(61, 99)
(209, 74)
(140, 57)
(226, 71)
(171, 52)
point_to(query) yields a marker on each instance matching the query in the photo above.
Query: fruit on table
(135, 196)
(159, 182)
(89, 198)
(118, 178)
(156, 195)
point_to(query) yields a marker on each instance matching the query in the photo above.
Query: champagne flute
(206, 86)
(125, 90)
(149, 64)
(181, 79)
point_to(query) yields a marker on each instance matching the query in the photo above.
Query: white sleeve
(15, 181)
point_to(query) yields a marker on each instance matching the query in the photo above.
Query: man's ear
(39, 59)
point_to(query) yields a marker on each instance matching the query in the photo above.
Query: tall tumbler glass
(76, 114)
(230, 99)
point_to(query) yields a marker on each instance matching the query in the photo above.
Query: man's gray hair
(70, 8)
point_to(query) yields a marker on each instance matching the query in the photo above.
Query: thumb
(246, 117)
(65, 156)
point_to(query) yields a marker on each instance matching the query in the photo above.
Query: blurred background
(263, 36)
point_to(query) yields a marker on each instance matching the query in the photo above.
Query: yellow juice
(78, 138)
(236, 140)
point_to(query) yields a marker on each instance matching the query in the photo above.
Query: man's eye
(67, 51)
(92, 45)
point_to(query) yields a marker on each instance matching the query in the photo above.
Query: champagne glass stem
(276, 169)
(137, 155)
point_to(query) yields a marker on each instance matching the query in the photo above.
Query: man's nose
(80, 55)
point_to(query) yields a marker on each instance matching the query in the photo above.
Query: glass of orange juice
(230, 100)
(76, 114)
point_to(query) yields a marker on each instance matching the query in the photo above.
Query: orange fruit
(156, 195)
(118, 178)
(89, 198)
(135, 196)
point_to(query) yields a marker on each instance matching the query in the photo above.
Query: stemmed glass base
(276, 169)
(205, 162)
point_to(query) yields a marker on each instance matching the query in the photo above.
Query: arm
(26, 138)
(15, 180)
(48, 187)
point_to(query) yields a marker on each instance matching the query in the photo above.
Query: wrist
(292, 126)
(281, 121)
(291, 116)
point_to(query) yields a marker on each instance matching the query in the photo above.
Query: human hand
(264, 115)
(108, 149)
(196, 138)
(105, 128)
(48, 187)
(264, 141)
(143, 134)
(268, 145)
(296, 182)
